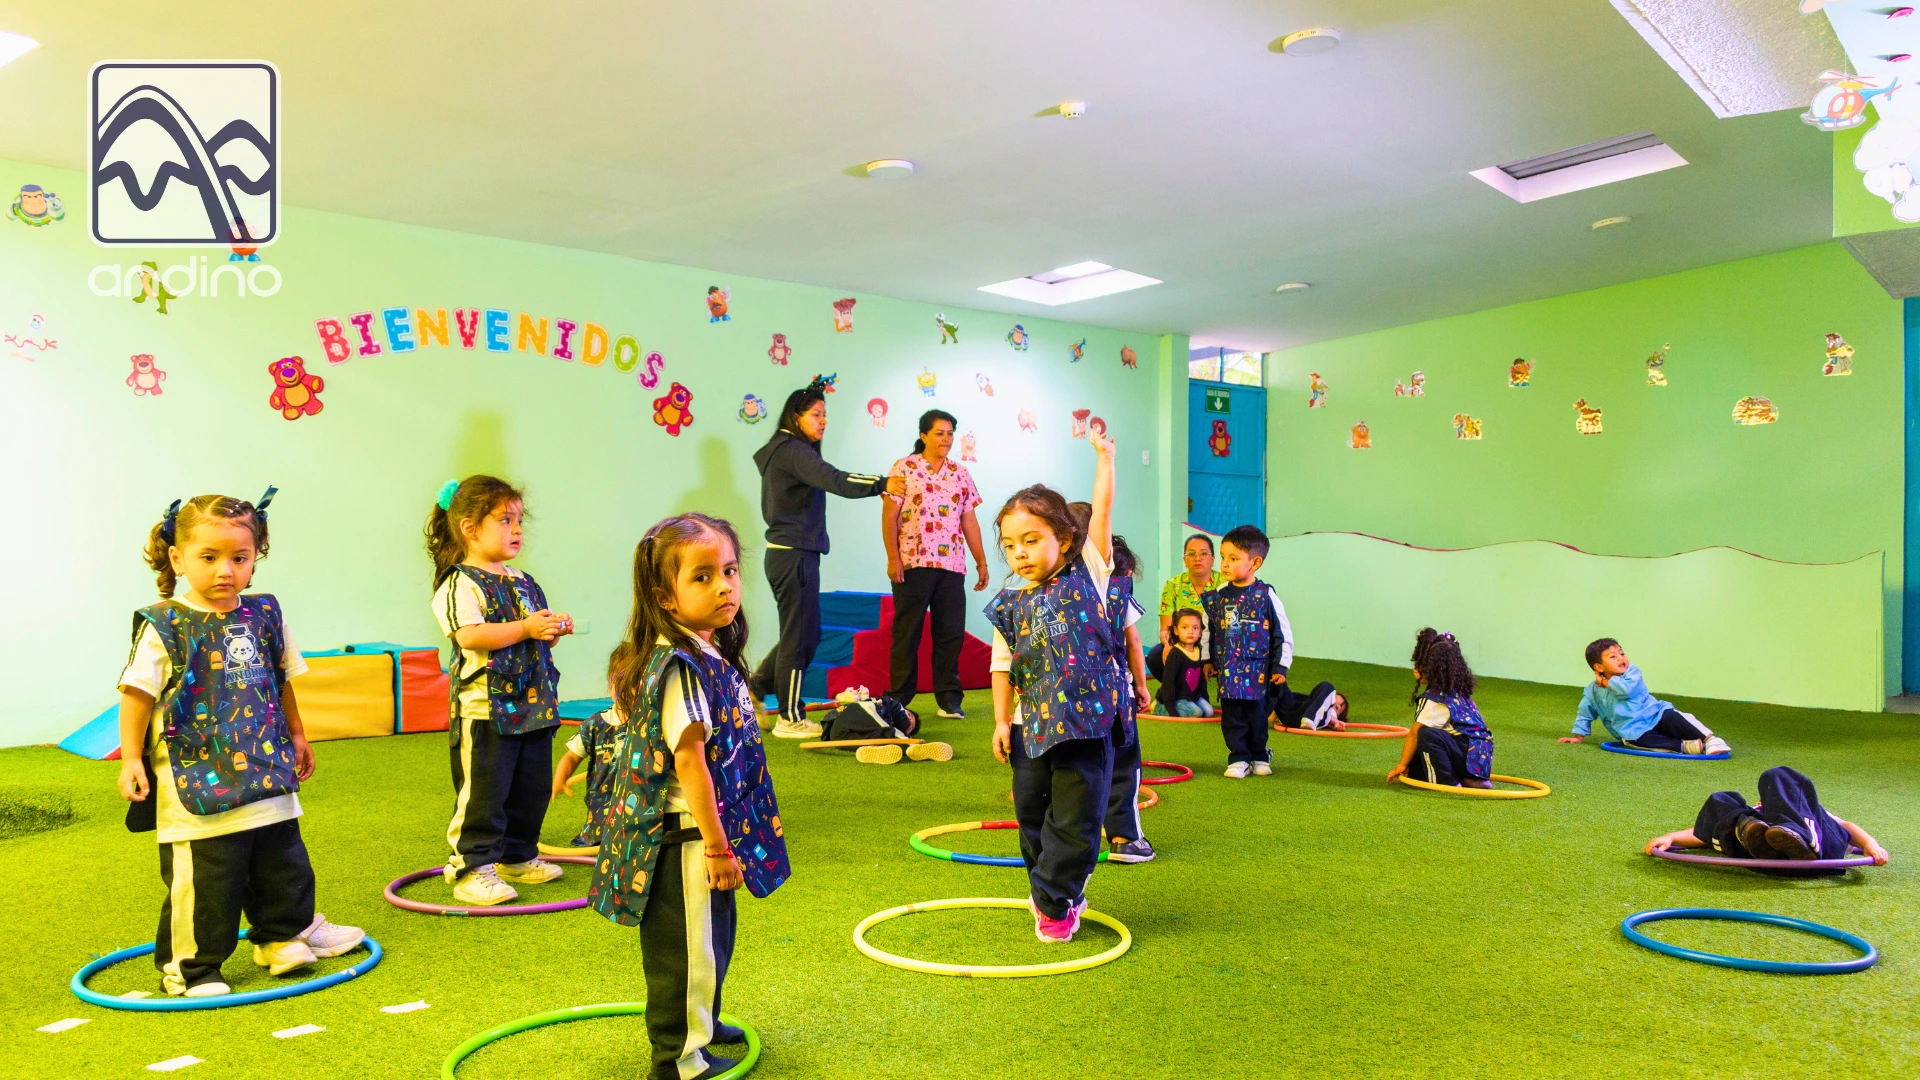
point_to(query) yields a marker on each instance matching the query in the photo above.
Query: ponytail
(460, 501)
(927, 420)
(656, 564)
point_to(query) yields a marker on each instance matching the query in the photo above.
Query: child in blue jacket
(1618, 697)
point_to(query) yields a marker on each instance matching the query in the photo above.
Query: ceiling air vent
(1581, 167)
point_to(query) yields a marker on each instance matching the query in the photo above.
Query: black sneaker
(717, 1066)
(1752, 834)
(1130, 851)
(952, 712)
(727, 1033)
(1789, 842)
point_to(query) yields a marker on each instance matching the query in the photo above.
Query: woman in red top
(923, 533)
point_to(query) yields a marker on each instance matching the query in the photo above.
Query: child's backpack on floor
(872, 718)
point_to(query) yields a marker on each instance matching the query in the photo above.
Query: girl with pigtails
(212, 753)
(504, 686)
(1449, 743)
(692, 815)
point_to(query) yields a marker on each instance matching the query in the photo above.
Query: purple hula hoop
(1775, 865)
(394, 897)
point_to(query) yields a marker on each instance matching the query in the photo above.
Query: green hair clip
(447, 492)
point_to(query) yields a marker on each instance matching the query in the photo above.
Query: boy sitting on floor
(1618, 697)
(1787, 823)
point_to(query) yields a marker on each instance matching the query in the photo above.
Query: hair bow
(447, 490)
(260, 508)
(167, 521)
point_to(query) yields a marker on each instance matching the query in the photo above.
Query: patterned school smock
(523, 685)
(631, 835)
(600, 746)
(226, 735)
(1463, 718)
(1120, 604)
(1241, 632)
(1062, 645)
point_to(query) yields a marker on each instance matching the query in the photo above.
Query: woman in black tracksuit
(794, 480)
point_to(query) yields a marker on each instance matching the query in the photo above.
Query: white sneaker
(209, 989)
(1261, 768)
(531, 872)
(1693, 747)
(1718, 745)
(888, 754)
(930, 751)
(796, 729)
(326, 939)
(482, 888)
(1238, 770)
(280, 957)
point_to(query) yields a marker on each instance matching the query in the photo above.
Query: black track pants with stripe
(262, 873)
(795, 578)
(1123, 798)
(686, 945)
(501, 784)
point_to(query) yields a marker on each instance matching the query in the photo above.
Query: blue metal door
(1226, 455)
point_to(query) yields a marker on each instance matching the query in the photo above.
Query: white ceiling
(721, 135)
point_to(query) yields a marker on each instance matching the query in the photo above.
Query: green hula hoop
(591, 1012)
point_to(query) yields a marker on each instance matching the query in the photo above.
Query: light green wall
(94, 465)
(1670, 473)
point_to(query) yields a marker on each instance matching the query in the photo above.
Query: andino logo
(184, 153)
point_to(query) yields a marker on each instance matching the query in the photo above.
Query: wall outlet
(1146, 457)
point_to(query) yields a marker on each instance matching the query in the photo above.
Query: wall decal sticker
(1520, 373)
(753, 409)
(1841, 101)
(1079, 430)
(717, 298)
(31, 344)
(1755, 410)
(1465, 427)
(1128, 357)
(649, 376)
(1028, 421)
(1017, 338)
(295, 393)
(927, 380)
(1588, 422)
(1096, 425)
(36, 206)
(1657, 365)
(674, 410)
(1077, 350)
(985, 384)
(1839, 356)
(1416, 386)
(1359, 438)
(948, 331)
(843, 315)
(967, 445)
(877, 412)
(146, 378)
(151, 287)
(780, 352)
(1316, 391)
(1220, 442)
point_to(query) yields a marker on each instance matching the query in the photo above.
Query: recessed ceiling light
(1073, 110)
(1067, 284)
(14, 46)
(1607, 222)
(889, 168)
(1291, 286)
(1580, 167)
(1309, 42)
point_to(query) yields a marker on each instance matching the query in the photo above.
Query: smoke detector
(1309, 42)
(889, 168)
(1073, 110)
(1609, 222)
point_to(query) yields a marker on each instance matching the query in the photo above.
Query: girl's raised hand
(1102, 442)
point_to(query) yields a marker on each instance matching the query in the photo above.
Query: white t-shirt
(1101, 570)
(1433, 714)
(458, 602)
(680, 710)
(148, 672)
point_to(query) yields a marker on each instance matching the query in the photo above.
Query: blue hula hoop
(1622, 748)
(1869, 955)
(222, 1001)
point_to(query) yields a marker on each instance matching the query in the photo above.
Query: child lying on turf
(1183, 676)
(1787, 823)
(1618, 697)
(1449, 743)
(598, 739)
(1321, 709)
(857, 716)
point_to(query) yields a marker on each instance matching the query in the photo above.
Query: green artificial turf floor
(1314, 923)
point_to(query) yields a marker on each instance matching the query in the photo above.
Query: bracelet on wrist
(727, 854)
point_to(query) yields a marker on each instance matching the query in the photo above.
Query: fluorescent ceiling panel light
(14, 46)
(1067, 284)
(1741, 56)
(1605, 162)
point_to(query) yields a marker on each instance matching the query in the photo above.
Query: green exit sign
(1219, 401)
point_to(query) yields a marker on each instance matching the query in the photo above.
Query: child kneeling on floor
(693, 815)
(1618, 697)
(1449, 744)
(1787, 823)
(217, 774)
(1056, 679)
(856, 716)
(1183, 674)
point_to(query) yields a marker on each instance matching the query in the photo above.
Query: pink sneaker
(1056, 931)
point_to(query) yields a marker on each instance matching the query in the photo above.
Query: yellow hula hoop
(837, 744)
(987, 971)
(1535, 789)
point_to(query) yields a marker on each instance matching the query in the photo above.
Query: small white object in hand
(173, 1064)
(411, 1006)
(296, 1032)
(59, 1026)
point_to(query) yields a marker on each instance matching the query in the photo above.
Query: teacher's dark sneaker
(953, 711)
(1787, 840)
(1130, 851)
(796, 729)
